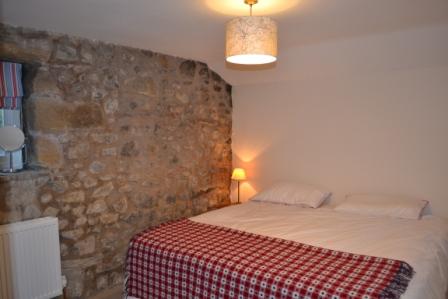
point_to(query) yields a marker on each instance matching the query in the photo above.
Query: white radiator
(30, 263)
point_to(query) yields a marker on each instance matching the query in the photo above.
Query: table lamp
(239, 175)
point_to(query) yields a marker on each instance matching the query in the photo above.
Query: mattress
(421, 243)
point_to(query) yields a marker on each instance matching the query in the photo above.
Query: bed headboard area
(382, 133)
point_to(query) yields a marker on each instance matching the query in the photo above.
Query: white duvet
(421, 243)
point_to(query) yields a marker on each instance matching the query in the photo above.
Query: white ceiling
(193, 29)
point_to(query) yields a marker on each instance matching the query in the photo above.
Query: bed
(423, 244)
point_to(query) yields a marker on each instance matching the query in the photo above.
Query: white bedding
(421, 243)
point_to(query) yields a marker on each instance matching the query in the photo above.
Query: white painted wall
(376, 128)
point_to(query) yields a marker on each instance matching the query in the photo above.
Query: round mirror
(11, 139)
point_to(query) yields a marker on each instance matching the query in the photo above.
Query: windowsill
(24, 174)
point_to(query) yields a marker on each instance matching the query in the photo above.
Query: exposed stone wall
(129, 139)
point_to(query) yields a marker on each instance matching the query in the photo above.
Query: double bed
(423, 244)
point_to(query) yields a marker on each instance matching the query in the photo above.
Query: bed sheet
(421, 243)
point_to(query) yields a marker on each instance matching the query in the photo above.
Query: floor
(115, 293)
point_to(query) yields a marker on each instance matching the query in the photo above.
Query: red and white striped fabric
(186, 259)
(11, 90)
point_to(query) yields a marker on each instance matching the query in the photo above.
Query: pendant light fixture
(251, 40)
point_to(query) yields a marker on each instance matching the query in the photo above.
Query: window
(11, 93)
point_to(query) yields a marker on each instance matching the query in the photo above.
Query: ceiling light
(251, 39)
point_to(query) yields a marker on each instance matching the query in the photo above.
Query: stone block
(187, 68)
(80, 221)
(51, 211)
(48, 152)
(99, 206)
(109, 218)
(86, 246)
(46, 198)
(106, 138)
(47, 115)
(129, 149)
(111, 106)
(54, 116)
(110, 151)
(75, 279)
(24, 45)
(63, 224)
(45, 86)
(78, 211)
(103, 191)
(86, 116)
(96, 167)
(141, 86)
(79, 151)
(120, 205)
(90, 182)
(107, 177)
(87, 52)
(65, 50)
(75, 234)
(31, 212)
(59, 184)
(102, 282)
(73, 197)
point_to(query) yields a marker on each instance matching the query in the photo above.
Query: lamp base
(238, 191)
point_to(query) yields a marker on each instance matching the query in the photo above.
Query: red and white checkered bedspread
(186, 259)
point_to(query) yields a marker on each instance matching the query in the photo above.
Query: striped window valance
(11, 90)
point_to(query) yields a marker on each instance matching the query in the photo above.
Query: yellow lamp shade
(239, 174)
(251, 40)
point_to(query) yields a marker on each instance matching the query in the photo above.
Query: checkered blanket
(186, 259)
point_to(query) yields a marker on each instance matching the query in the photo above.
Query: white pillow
(293, 194)
(380, 205)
